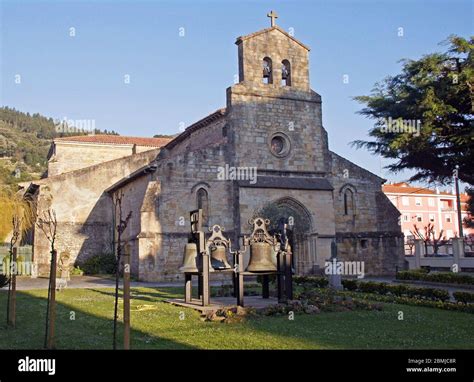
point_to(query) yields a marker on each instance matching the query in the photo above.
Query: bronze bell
(261, 259)
(218, 258)
(190, 258)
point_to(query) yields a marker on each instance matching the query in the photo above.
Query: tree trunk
(117, 276)
(52, 303)
(126, 299)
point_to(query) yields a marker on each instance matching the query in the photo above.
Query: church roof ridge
(83, 170)
(359, 167)
(276, 27)
(116, 140)
(147, 169)
(219, 113)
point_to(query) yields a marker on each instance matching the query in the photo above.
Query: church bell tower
(274, 118)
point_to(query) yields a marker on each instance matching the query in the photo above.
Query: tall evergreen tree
(438, 91)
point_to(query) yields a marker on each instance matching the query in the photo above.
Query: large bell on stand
(218, 258)
(261, 258)
(190, 260)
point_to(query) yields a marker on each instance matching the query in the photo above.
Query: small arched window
(348, 202)
(267, 71)
(285, 73)
(203, 203)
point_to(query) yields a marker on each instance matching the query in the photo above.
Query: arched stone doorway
(300, 230)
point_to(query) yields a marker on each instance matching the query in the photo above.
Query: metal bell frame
(217, 239)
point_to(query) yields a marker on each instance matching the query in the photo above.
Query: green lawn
(157, 325)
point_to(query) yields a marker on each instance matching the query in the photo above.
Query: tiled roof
(116, 140)
(405, 188)
(397, 189)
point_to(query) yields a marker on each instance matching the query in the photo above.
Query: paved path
(28, 283)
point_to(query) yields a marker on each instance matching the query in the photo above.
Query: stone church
(266, 153)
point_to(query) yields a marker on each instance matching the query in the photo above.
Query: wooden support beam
(280, 277)
(288, 277)
(240, 280)
(205, 279)
(188, 287)
(265, 286)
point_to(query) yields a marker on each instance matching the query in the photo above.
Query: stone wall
(255, 117)
(69, 156)
(133, 198)
(364, 185)
(317, 203)
(179, 175)
(257, 111)
(371, 233)
(278, 46)
(83, 210)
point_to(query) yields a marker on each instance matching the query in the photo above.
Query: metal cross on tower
(273, 16)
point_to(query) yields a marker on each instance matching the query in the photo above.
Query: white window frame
(418, 202)
(405, 201)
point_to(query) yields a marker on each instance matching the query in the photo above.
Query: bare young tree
(429, 237)
(48, 223)
(121, 226)
(11, 299)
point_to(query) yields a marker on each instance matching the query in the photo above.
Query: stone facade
(83, 210)
(270, 128)
(73, 153)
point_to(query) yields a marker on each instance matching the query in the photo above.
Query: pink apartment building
(421, 206)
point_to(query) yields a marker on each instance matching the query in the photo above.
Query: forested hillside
(24, 143)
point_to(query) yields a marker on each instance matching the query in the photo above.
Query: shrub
(446, 305)
(313, 301)
(3, 280)
(464, 297)
(76, 271)
(99, 264)
(317, 282)
(373, 287)
(440, 277)
(349, 284)
(397, 290)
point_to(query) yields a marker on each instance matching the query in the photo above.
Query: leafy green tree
(469, 220)
(437, 91)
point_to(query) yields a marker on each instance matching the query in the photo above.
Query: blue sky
(175, 80)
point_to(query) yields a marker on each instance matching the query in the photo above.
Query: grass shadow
(84, 323)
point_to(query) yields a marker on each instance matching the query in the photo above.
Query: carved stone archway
(300, 230)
